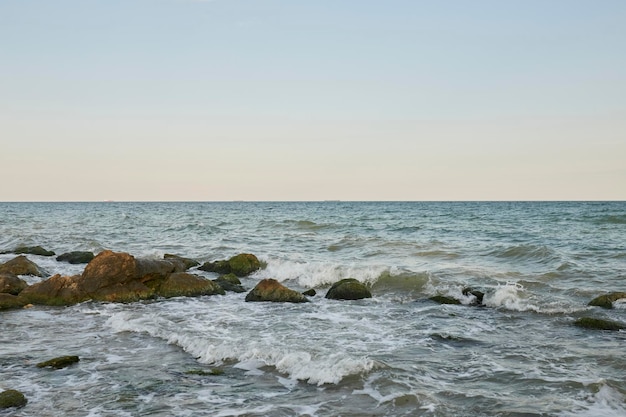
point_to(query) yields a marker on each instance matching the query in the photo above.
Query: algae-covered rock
(21, 265)
(241, 265)
(12, 398)
(310, 293)
(10, 284)
(274, 291)
(598, 324)
(76, 257)
(9, 301)
(60, 362)
(348, 289)
(442, 299)
(607, 300)
(33, 250)
(230, 282)
(202, 372)
(182, 284)
(186, 263)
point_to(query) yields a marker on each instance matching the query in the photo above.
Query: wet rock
(21, 265)
(230, 282)
(479, 295)
(59, 363)
(607, 300)
(442, 299)
(33, 250)
(10, 284)
(274, 291)
(12, 398)
(241, 265)
(182, 284)
(76, 257)
(185, 263)
(9, 301)
(348, 289)
(55, 291)
(598, 324)
(310, 293)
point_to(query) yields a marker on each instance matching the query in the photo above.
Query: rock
(12, 398)
(310, 293)
(348, 289)
(21, 265)
(186, 263)
(76, 257)
(442, 299)
(33, 250)
(10, 284)
(478, 294)
(8, 301)
(59, 363)
(55, 291)
(241, 265)
(607, 300)
(598, 324)
(272, 290)
(230, 282)
(182, 284)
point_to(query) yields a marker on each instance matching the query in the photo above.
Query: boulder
(21, 265)
(607, 300)
(10, 284)
(598, 324)
(8, 301)
(442, 299)
(76, 257)
(272, 290)
(12, 398)
(479, 295)
(310, 293)
(185, 263)
(230, 282)
(55, 291)
(59, 363)
(33, 250)
(348, 289)
(182, 284)
(241, 265)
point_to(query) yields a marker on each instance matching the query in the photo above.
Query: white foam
(607, 402)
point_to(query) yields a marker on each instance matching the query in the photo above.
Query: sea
(396, 354)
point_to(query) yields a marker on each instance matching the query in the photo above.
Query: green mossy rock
(33, 250)
(59, 363)
(182, 284)
(10, 284)
(8, 301)
(230, 282)
(607, 300)
(21, 265)
(348, 289)
(310, 293)
(442, 299)
(76, 257)
(241, 265)
(598, 324)
(12, 398)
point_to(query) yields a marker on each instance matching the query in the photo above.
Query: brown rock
(10, 284)
(188, 285)
(8, 301)
(272, 290)
(21, 265)
(56, 291)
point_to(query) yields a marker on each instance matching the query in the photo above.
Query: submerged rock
(185, 263)
(76, 257)
(182, 284)
(442, 299)
(241, 265)
(10, 284)
(310, 293)
(21, 265)
(274, 291)
(59, 363)
(12, 398)
(607, 300)
(33, 250)
(348, 289)
(598, 324)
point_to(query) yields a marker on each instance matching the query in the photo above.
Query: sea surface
(397, 354)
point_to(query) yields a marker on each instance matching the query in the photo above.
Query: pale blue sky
(312, 100)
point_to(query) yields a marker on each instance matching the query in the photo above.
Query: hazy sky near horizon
(312, 100)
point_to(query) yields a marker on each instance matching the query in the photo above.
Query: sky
(190, 100)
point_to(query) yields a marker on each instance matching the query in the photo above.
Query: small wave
(610, 219)
(541, 254)
(405, 282)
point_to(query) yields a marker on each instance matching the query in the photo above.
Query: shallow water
(393, 355)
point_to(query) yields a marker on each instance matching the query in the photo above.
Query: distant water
(397, 354)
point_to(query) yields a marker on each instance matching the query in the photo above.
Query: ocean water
(397, 354)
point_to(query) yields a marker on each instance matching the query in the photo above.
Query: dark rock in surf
(230, 282)
(479, 295)
(12, 399)
(9, 301)
(33, 250)
(607, 300)
(59, 363)
(241, 265)
(10, 284)
(348, 289)
(274, 291)
(182, 284)
(185, 263)
(598, 324)
(21, 265)
(310, 293)
(442, 299)
(76, 257)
